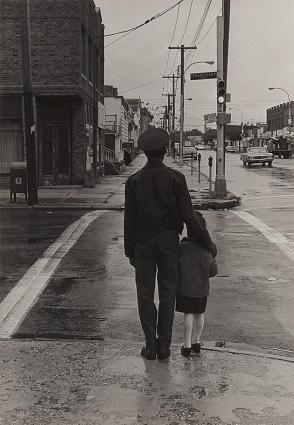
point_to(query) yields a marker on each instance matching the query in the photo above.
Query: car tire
(263, 164)
(249, 164)
(270, 163)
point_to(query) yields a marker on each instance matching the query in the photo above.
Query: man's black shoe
(149, 352)
(163, 354)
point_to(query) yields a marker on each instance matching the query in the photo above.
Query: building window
(90, 59)
(84, 50)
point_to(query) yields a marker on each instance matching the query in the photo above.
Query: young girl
(197, 265)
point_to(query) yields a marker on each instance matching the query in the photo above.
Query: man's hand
(132, 261)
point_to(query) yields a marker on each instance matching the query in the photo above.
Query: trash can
(18, 179)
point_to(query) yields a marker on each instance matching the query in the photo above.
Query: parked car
(188, 149)
(200, 147)
(256, 155)
(232, 149)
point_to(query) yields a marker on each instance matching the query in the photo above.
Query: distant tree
(193, 132)
(209, 135)
(145, 112)
(233, 132)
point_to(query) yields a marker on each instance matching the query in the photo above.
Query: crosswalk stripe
(26, 292)
(272, 234)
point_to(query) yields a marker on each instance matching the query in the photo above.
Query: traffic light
(221, 91)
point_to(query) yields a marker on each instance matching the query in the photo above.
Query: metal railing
(110, 158)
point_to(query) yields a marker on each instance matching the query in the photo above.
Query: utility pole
(223, 23)
(173, 78)
(182, 48)
(29, 124)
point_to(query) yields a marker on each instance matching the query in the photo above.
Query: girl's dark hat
(153, 139)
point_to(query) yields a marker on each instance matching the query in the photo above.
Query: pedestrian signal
(221, 91)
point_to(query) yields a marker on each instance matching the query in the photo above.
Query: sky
(260, 54)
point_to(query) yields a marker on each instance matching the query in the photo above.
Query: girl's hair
(199, 217)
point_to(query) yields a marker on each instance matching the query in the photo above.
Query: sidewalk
(109, 192)
(109, 383)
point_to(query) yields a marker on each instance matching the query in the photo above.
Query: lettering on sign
(203, 75)
(18, 180)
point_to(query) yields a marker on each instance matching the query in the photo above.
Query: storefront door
(55, 154)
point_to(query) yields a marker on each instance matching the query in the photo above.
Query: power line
(143, 85)
(209, 28)
(184, 32)
(173, 36)
(190, 55)
(126, 32)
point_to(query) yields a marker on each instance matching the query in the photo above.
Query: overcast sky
(260, 54)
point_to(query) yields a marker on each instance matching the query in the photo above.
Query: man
(157, 203)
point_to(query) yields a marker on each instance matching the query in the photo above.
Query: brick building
(67, 57)
(277, 118)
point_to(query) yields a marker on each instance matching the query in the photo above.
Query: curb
(93, 207)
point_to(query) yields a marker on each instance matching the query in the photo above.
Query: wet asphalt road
(61, 372)
(92, 293)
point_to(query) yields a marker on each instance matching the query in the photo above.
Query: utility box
(18, 179)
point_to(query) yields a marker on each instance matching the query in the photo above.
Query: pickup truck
(256, 155)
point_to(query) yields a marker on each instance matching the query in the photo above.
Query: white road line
(256, 198)
(25, 293)
(272, 234)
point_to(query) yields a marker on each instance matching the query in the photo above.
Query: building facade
(119, 124)
(67, 67)
(278, 119)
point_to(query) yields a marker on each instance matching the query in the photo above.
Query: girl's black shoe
(196, 348)
(185, 351)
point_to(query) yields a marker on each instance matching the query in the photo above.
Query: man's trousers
(157, 252)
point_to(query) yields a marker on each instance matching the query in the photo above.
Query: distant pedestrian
(197, 265)
(157, 203)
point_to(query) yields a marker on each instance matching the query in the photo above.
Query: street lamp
(289, 110)
(242, 121)
(183, 71)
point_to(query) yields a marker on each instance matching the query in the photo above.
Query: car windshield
(187, 144)
(257, 150)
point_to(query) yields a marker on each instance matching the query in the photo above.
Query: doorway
(55, 154)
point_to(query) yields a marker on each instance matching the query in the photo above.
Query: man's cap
(153, 139)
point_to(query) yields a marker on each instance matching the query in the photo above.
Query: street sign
(223, 118)
(203, 75)
(209, 118)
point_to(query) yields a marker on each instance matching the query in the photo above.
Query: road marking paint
(254, 198)
(272, 234)
(272, 207)
(26, 292)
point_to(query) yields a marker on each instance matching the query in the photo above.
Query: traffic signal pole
(222, 60)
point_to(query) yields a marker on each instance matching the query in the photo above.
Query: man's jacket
(156, 198)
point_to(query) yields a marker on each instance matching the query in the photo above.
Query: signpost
(210, 118)
(203, 75)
